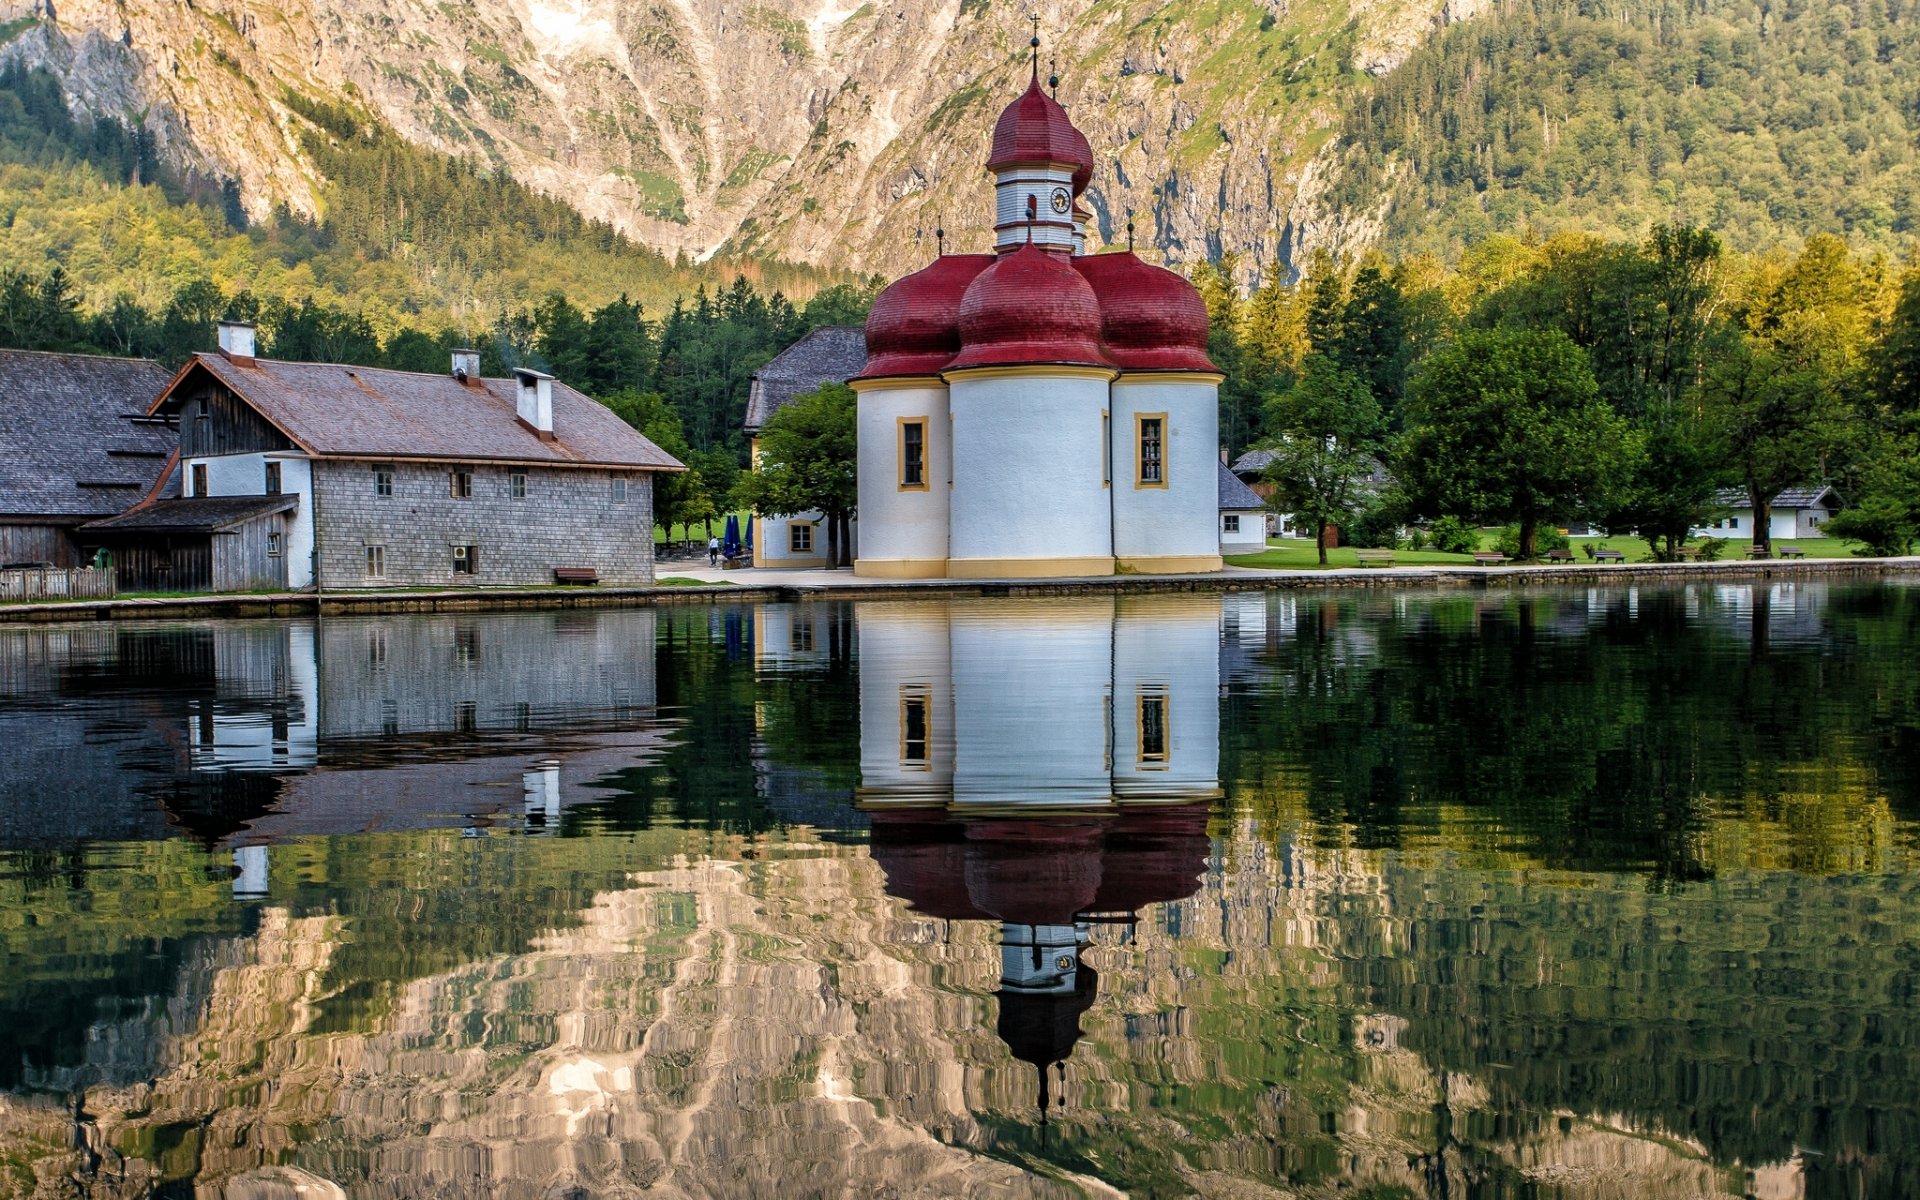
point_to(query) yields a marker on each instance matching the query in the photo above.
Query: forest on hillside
(409, 238)
(1757, 118)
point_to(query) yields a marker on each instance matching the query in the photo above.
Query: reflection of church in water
(1049, 765)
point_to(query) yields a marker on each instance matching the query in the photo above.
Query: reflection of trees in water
(1568, 728)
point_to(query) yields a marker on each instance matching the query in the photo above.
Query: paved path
(775, 577)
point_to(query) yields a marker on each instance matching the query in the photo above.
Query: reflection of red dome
(1151, 319)
(914, 328)
(1034, 129)
(1034, 871)
(1029, 307)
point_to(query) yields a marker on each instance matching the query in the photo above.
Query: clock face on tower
(1061, 200)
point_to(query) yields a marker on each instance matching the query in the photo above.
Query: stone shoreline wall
(497, 599)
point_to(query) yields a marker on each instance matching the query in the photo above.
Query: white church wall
(906, 703)
(906, 526)
(1031, 682)
(1169, 528)
(1166, 698)
(1028, 458)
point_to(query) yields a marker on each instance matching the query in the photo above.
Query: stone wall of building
(567, 518)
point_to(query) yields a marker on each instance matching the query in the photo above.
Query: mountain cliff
(840, 133)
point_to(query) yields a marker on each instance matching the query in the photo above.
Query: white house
(1798, 512)
(1243, 516)
(830, 354)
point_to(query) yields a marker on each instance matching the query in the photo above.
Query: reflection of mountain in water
(301, 727)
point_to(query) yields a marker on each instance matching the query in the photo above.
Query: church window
(1153, 728)
(800, 538)
(1106, 448)
(913, 727)
(1150, 437)
(913, 454)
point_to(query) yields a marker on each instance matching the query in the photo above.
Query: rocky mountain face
(831, 132)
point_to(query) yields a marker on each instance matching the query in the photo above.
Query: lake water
(1588, 893)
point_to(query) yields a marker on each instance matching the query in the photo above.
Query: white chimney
(236, 341)
(466, 365)
(536, 401)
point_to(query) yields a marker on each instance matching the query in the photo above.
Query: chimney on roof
(466, 365)
(236, 342)
(535, 402)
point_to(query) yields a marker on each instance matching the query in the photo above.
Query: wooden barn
(76, 445)
(199, 544)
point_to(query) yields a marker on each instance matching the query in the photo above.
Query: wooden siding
(57, 583)
(165, 563)
(241, 558)
(217, 422)
(37, 543)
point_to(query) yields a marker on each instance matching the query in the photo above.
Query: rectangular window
(800, 538)
(1231, 522)
(376, 562)
(517, 485)
(913, 728)
(273, 545)
(199, 479)
(460, 485)
(1153, 728)
(1733, 522)
(273, 479)
(383, 481)
(800, 638)
(466, 560)
(913, 454)
(619, 491)
(1150, 439)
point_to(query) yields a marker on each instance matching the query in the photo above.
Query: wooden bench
(1687, 553)
(1787, 551)
(1374, 558)
(1757, 551)
(578, 576)
(1560, 555)
(1489, 558)
(1604, 555)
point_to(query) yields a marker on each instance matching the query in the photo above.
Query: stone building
(76, 445)
(370, 478)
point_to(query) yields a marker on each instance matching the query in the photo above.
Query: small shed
(1243, 516)
(199, 544)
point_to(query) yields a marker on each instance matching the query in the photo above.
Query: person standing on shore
(713, 551)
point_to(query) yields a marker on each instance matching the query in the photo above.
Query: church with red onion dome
(1038, 411)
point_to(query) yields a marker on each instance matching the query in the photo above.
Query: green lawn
(1296, 554)
(697, 532)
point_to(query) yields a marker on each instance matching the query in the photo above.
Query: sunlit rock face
(818, 130)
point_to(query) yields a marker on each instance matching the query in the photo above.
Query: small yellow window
(1150, 442)
(913, 454)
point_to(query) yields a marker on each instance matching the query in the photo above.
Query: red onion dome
(1150, 318)
(914, 326)
(1083, 172)
(1035, 129)
(1029, 307)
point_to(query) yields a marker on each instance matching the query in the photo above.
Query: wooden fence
(57, 583)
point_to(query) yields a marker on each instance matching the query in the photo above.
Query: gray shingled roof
(194, 514)
(1252, 462)
(73, 439)
(829, 354)
(336, 411)
(1235, 494)
(1793, 497)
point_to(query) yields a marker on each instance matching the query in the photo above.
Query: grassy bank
(1297, 554)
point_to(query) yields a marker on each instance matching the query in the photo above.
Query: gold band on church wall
(1172, 564)
(1027, 568)
(901, 568)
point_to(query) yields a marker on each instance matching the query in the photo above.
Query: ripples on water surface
(1602, 893)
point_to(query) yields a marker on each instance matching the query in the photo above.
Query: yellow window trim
(1139, 426)
(1157, 695)
(912, 693)
(900, 453)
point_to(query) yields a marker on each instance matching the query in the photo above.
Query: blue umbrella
(730, 541)
(749, 535)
